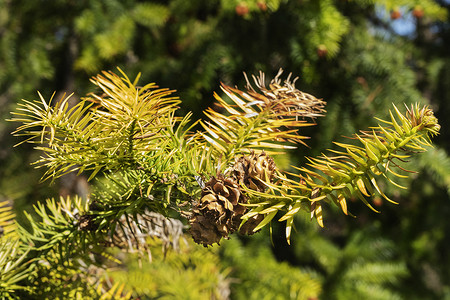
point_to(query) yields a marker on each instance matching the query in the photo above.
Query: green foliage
(350, 173)
(437, 163)
(61, 281)
(55, 229)
(151, 15)
(193, 273)
(348, 52)
(370, 277)
(327, 27)
(364, 267)
(151, 162)
(14, 268)
(7, 225)
(369, 80)
(109, 35)
(134, 129)
(260, 276)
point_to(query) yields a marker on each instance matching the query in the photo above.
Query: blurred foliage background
(359, 56)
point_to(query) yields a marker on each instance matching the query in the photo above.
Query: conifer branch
(101, 132)
(14, 266)
(351, 172)
(267, 121)
(153, 162)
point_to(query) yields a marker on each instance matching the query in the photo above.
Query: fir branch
(14, 263)
(153, 160)
(8, 226)
(352, 172)
(436, 163)
(14, 268)
(263, 121)
(100, 132)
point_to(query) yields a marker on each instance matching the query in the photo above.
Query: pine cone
(219, 211)
(254, 170)
(203, 230)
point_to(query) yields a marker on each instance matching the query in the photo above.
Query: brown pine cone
(254, 170)
(219, 211)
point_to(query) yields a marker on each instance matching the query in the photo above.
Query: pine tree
(348, 52)
(152, 162)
